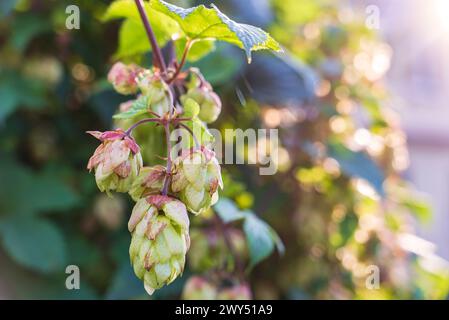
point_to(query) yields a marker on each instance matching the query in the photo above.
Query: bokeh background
(364, 158)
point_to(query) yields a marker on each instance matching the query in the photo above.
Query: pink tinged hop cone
(116, 162)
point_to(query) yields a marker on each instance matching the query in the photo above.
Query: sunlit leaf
(201, 23)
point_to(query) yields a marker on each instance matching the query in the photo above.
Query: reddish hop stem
(169, 160)
(128, 132)
(182, 63)
(157, 53)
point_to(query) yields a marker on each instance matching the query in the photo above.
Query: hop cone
(117, 161)
(149, 181)
(202, 92)
(209, 102)
(197, 176)
(160, 240)
(158, 92)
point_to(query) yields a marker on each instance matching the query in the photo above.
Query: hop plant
(172, 99)
(149, 181)
(196, 178)
(124, 77)
(160, 240)
(117, 161)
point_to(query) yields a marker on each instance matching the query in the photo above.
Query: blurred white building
(418, 32)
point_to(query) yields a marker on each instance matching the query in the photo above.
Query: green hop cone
(209, 102)
(196, 178)
(199, 288)
(117, 161)
(149, 181)
(157, 90)
(160, 240)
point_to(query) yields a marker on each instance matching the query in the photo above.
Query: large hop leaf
(201, 23)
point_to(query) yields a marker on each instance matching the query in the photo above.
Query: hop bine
(160, 240)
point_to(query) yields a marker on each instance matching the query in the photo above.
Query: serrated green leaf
(261, 238)
(34, 243)
(228, 211)
(201, 23)
(139, 107)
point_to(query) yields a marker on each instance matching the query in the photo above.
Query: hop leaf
(201, 23)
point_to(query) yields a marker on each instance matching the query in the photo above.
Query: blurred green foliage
(338, 206)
